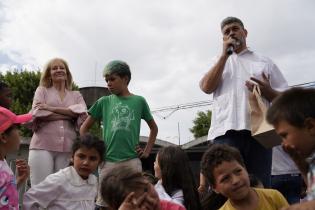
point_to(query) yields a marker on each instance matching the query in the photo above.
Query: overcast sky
(167, 43)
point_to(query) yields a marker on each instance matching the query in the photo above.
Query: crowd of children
(121, 183)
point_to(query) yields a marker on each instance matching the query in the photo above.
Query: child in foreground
(74, 187)
(10, 142)
(225, 170)
(124, 188)
(293, 115)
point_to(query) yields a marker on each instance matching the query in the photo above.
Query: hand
(228, 43)
(23, 171)
(142, 154)
(264, 86)
(132, 203)
(42, 106)
(308, 205)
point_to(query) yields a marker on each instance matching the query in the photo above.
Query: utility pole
(178, 134)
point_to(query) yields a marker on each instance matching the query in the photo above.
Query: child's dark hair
(89, 141)
(9, 129)
(150, 177)
(119, 182)
(177, 175)
(293, 106)
(215, 156)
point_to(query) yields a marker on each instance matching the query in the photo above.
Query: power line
(189, 105)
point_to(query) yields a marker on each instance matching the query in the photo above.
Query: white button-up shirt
(230, 106)
(64, 190)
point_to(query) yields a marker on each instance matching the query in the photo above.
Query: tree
(201, 124)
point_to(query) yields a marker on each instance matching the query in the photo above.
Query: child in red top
(10, 142)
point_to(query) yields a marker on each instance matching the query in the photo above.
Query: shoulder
(261, 57)
(41, 89)
(272, 197)
(138, 97)
(106, 98)
(103, 99)
(75, 92)
(226, 206)
(266, 191)
(58, 177)
(269, 194)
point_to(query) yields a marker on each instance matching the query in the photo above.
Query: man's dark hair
(293, 106)
(215, 156)
(89, 141)
(229, 20)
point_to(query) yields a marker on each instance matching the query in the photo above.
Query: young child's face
(231, 180)
(85, 161)
(115, 83)
(5, 98)
(11, 140)
(303, 139)
(157, 169)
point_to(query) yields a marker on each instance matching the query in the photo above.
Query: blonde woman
(58, 113)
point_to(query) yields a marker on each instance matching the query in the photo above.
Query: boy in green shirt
(121, 114)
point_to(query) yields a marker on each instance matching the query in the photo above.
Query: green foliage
(23, 85)
(201, 124)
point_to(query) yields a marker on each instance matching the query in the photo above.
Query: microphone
(230, 50)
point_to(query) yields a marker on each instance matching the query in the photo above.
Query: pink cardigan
(56, 135)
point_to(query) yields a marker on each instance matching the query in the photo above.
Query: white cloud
(168, 44)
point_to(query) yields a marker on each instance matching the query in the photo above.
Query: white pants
(43, 162)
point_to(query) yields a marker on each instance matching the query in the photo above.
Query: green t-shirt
(121, 117)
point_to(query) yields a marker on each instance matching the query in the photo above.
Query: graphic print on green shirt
(121, 118)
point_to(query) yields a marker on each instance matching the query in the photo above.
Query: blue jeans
(289, 185)
(257, 158)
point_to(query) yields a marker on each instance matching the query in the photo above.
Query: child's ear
(71, 161)
(2, 138)
(310, 125)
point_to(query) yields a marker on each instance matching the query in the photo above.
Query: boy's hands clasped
(144, 202)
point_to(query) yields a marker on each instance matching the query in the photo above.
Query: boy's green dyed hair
(118, 67)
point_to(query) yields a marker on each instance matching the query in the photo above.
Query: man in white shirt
(229, 79)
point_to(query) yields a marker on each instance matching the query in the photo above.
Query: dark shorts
(257, 158)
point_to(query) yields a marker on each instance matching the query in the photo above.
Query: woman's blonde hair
(45, 79)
